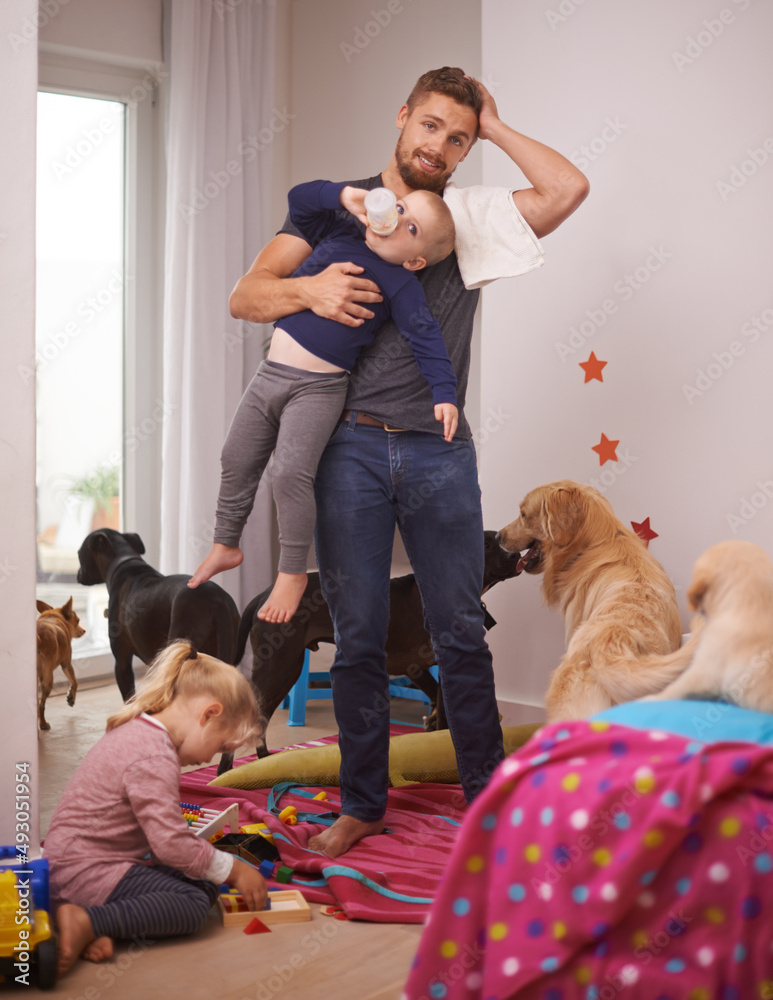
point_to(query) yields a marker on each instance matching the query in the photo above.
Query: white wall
(130, 33)
(18, 734)
(673, 103)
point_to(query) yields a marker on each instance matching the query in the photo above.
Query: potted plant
(101, 486)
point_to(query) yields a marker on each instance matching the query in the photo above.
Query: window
(79, 343)
(98, 359)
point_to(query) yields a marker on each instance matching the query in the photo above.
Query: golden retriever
(730, 651)
(618, 604)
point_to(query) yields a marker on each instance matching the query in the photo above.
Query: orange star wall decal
(592, 368)
(644, 531)
(606, 449)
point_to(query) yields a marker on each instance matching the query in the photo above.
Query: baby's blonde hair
(179, 670)
(441, 243)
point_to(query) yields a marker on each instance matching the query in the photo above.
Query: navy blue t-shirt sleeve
(414, 320)
(314, 208)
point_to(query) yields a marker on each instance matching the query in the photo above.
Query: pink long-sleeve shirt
(122, 804)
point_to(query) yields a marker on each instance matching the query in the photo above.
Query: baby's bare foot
(220, 558)
(284, 599)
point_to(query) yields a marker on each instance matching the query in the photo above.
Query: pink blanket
(604, 861)
(392, 877)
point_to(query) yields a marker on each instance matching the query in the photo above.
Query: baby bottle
(381, 209)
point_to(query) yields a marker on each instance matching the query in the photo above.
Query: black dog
(279, 649)
(146, 611)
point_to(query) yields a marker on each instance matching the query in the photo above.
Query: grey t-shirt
(386, 382)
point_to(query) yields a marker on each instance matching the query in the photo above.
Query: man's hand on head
(557, 186)
(489, 115)
(338, 293)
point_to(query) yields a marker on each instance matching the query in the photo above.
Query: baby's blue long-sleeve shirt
(315, 209)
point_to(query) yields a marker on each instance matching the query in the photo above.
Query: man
(386, 464)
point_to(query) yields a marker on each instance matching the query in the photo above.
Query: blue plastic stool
(402, 687)
(300, 693)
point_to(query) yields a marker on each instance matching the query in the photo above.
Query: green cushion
(425, 757)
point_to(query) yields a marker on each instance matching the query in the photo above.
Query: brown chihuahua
(57, 627)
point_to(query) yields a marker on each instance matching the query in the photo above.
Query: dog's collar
(573, 560)
(489, 621)
(115, 564)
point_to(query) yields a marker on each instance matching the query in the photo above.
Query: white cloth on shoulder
(493, 240)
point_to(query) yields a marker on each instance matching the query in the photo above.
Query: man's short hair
(448, 80)
(444, 236)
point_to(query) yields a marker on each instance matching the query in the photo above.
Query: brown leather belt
(363, 418)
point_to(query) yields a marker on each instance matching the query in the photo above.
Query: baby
(294, 402)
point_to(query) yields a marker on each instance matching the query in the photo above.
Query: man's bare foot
(343, 834)
(220, 558)
(75, 934)
(284, 599)
(100, 949)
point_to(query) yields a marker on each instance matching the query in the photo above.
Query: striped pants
(154, 900)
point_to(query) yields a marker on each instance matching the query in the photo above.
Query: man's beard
(414, 176)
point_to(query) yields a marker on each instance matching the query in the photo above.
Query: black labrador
(146, 610)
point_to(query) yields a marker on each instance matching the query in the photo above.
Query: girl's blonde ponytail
(180, 670)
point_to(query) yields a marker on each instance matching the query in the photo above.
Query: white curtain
(221, 123)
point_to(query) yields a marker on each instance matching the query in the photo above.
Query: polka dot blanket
(605, 861)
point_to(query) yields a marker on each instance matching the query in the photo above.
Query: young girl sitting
(123, 803)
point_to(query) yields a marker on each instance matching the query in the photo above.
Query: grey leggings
(291, 413)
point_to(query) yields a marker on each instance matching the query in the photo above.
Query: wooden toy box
(287, 906)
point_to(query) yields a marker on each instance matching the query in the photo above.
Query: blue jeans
(369, 480)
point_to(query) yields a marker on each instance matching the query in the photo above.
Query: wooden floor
(325, 959)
